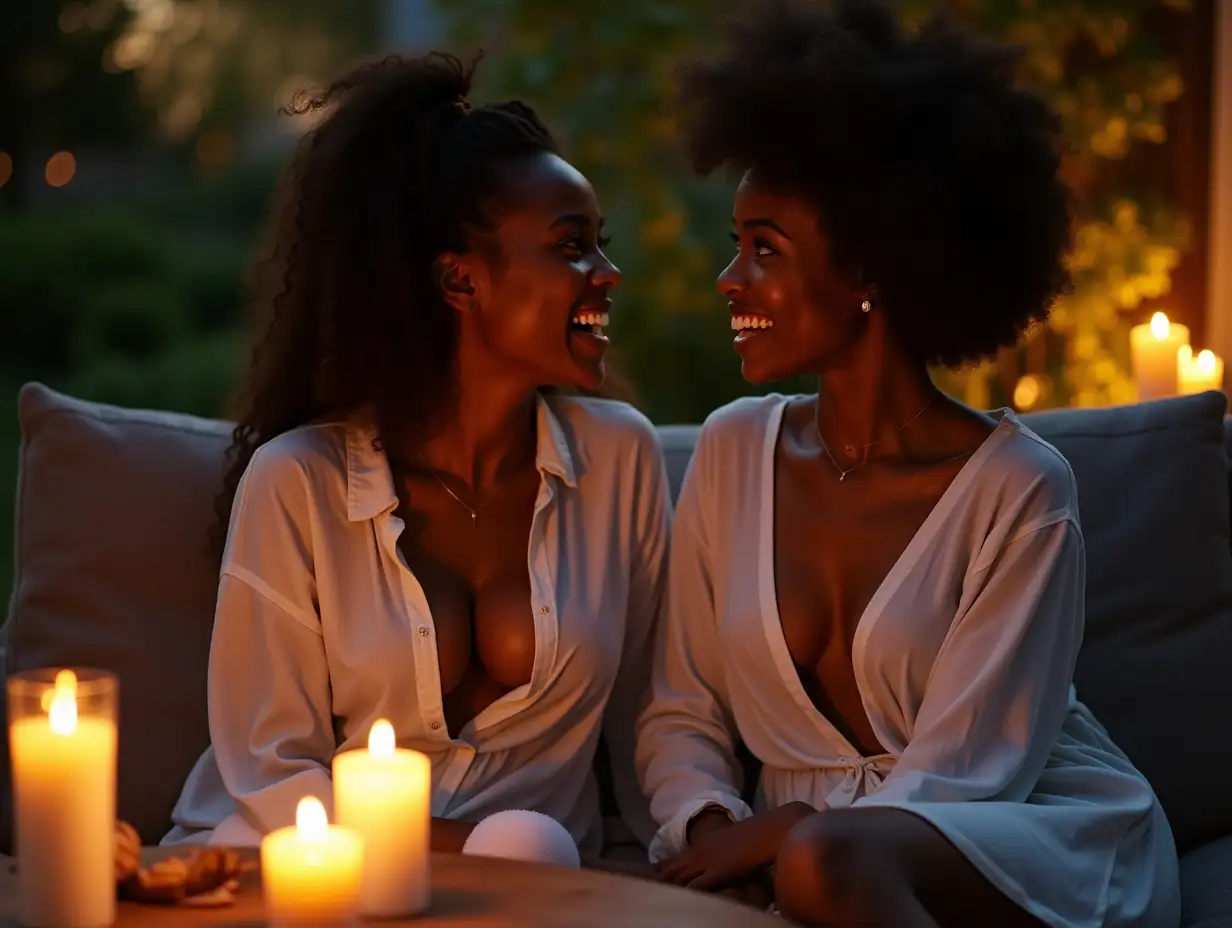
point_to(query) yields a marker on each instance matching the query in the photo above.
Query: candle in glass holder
(62, 738)
(1198, 374)
(1154, 348)
(311, 871)
(384, 793)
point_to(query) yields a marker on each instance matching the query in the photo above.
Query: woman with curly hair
(878, 590)
(415, 529)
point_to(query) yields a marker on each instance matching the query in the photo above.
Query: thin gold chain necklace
(842, 473)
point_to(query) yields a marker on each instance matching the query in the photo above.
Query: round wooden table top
(470, 892)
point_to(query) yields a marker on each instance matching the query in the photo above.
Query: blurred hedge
(116, 308)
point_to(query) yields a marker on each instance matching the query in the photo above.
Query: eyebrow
(578, 219)
(764, 224)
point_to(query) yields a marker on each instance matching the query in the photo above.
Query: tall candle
(1197, 374)
(311, 871)
(1153, 348)
(62, 737)
(384, 793)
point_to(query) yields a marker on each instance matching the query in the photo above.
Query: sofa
(113, 570)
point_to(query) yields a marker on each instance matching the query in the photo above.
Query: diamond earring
(866, 306)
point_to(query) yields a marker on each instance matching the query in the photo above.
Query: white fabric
(964, 659)
(321, 630)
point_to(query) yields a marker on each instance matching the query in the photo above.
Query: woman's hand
(722, 853)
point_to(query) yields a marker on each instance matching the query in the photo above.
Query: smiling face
(791, 311)
(536, 291)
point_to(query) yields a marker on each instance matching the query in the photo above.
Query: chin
(591, 378)
(765, 370)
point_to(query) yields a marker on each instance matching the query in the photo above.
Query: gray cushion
(1153, 494)
(114, 571)
(1206, 886)
(678, 442)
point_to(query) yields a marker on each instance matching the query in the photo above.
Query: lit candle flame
(381, 740)
(1206, 362)
(62, 710)
(310, 820)
(1160, 326)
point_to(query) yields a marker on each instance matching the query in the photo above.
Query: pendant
(474, 518)
(843, 475)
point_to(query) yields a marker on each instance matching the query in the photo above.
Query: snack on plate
(207, 876)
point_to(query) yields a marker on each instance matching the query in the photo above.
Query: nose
(733, 281)
(605, 274)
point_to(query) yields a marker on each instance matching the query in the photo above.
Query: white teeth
(740, 323)
(587, 318)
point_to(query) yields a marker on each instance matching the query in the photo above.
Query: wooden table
(470, 892)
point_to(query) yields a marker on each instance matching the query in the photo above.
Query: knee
(826, 871)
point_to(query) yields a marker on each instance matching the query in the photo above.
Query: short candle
(1153, 348)
(1198, 374)
(384, 793)
(311, 871)
(62, 735)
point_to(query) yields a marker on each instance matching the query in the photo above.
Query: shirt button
(435, 726)
(423, 631)
(544, 610)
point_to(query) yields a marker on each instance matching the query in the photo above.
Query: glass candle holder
(62, 741)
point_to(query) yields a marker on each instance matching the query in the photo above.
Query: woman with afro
(417, 529)
(878, 590)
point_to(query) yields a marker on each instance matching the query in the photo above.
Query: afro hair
(936, 177)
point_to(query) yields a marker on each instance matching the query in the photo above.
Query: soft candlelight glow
(62, 704)
(1154, 348)
(381, 742)
(1196, 375)
(310, 821)
(384, 793)
(311, 871)
(62, 732)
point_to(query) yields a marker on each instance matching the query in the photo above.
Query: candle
(62, 738)
(311, 871)
(384, 794)
(1154, 349)
(1197, 374)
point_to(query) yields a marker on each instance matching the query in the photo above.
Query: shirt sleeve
(269, 691)
(686, 737)
(1000, 687)
(647, 579)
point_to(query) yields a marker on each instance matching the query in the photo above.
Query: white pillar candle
(62, 737)
(1153, 349)
(384, 793)
(1200, 373)
(311, 871)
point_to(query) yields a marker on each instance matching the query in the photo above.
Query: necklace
(474, 513)
(851, 449)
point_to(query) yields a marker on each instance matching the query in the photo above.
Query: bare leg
(884, 867)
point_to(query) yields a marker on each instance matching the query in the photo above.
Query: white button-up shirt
(321, 629)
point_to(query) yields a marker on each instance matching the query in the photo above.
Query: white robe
(964, 659)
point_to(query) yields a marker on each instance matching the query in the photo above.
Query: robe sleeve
(686, 738)
(1001, 684)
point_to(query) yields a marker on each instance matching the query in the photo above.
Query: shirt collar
(370, 485)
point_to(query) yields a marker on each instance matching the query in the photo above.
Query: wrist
(707, 820)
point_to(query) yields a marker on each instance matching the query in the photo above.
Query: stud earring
(866, 306)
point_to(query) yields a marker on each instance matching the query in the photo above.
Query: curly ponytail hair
(400, 169)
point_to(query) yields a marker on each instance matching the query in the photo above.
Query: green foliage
(603, 74)
(116, 309)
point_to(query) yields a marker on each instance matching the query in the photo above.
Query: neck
(870, 393)
(491, 433)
